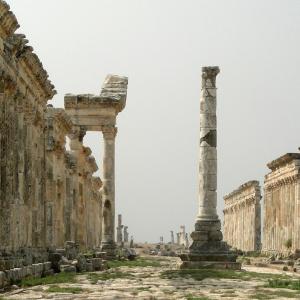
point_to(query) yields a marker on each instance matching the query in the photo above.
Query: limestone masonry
(49, 196)
(207, 249)
(242, 217)
(282, 205)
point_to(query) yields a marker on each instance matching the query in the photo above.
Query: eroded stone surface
(207, 248)
(146, 284)
(281, 230)
(242, 217)
(48, 192)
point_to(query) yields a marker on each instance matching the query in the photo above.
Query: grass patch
(191, 297)
(286, 284)
(94, 277)
(225, 274)
(267, 294)
(69, 290)
(143, 289)
(54, 279)
(139, 262)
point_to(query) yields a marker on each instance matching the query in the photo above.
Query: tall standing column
(208, 146)
(207, 249)
(108, 229)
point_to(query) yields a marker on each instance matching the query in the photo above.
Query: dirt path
(146, 283)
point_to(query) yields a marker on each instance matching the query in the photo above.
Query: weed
(287, 284)
(191, 297)
(57, 278)
(139, 262)
(69, 290)
(211, 273)
(94, 277)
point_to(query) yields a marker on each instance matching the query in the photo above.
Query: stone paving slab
(146, 284)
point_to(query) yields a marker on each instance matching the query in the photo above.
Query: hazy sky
(161, 46)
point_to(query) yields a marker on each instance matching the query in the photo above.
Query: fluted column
(108, 191)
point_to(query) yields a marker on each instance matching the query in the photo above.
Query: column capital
(209, 75)
(109, 132)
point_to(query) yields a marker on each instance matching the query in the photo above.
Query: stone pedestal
(207, 249)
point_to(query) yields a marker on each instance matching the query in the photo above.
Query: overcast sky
(161, 46)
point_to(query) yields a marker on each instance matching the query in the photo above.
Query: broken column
(119, 230)
(172, 237)
(207, 249)
(187, 242)
(178, 238)
(126, 234)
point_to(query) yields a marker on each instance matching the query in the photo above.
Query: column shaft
(108, 231)
(208, 147)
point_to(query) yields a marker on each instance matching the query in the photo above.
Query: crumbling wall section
(282, 205)
(242, 217)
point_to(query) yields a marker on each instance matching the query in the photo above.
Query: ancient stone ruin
(51, 204)
(207, 248)
(242, 217)
(281, 230)
(242, 212)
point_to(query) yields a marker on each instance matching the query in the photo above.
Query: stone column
(207, 248)
(126, 234)
(119, 230)
(178, 238)
(208, 147)
(108, 231)
(172, 237)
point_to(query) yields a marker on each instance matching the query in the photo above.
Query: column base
(208, 250)
(110, 250)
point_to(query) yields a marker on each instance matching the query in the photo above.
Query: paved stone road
(146, 284)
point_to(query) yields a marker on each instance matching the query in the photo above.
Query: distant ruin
(242, 217)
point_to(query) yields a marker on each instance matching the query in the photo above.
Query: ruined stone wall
(24, 92)
(281, 231)
(242, 217)
(48, 195)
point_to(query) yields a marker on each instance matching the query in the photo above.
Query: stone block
(208, 166)
(61, 251)
(46, 266)
(100, 254)
(3, 280)
(37, 269)
(81, 264)
(89, 267)
(71, 250)
(199, 235)
(210, 265)
(208, 182)
(55, 258)
(208, 225)
(208, 120)
(97, 264)
(67, 268)
(215, 236)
